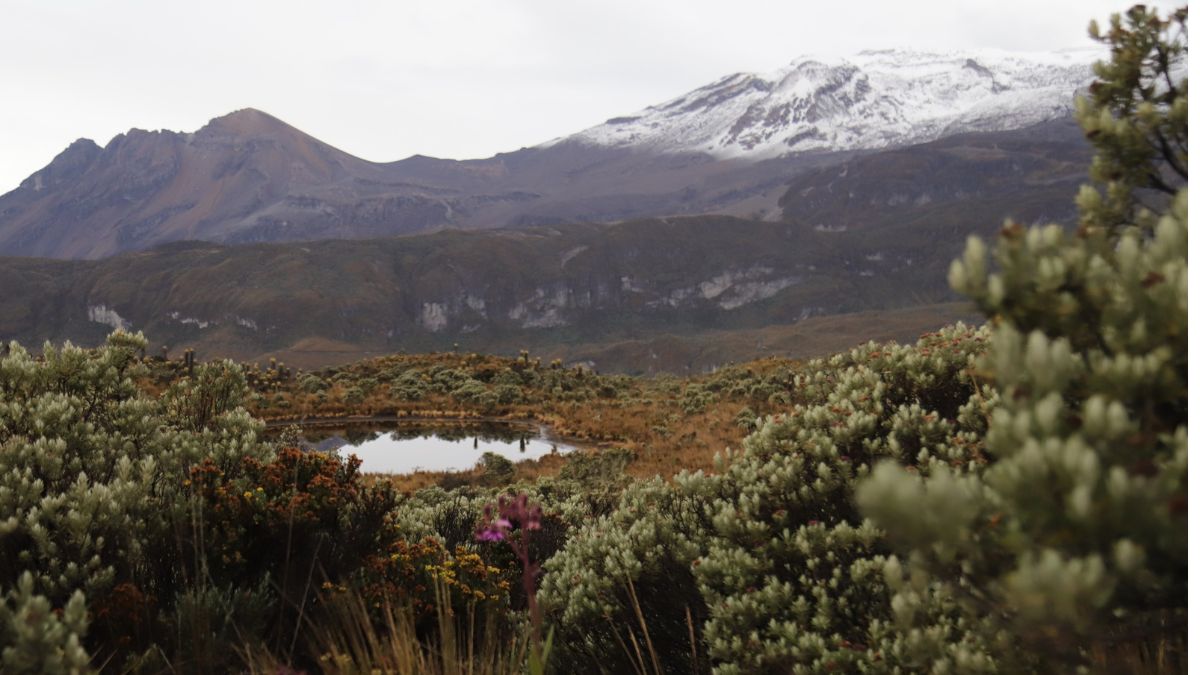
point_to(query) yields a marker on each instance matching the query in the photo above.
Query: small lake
(405, 448)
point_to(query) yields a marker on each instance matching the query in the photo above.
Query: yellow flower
(247, 494)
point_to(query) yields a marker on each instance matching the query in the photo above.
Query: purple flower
(489, 534)
(518, 512)
(493, 531)
(498, 523)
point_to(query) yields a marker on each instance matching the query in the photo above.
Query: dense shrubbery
(768, 560)
(91, 481)
(764, 565)
(485, 383)
(1073, 539)
(178, 526)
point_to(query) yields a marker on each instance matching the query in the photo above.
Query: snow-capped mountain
(249, 177)
(875, 99)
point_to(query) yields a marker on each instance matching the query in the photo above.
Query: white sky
(385, 79)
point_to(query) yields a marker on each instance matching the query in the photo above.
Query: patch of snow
(873, 99)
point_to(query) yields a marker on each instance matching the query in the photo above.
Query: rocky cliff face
(565, 283)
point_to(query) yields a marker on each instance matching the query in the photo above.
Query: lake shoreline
(544, 429)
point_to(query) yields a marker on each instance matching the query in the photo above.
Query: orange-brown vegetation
(670, 423)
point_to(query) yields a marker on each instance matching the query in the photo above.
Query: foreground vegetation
(987, 500)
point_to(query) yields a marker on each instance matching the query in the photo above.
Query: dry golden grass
(352, 642)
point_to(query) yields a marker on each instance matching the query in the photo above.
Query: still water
(405, 449)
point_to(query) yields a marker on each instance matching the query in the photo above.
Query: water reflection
(408, 448)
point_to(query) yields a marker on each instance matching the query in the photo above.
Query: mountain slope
(875, 99)
(480, 289)
(865, 232)
(872, 232)
(243, 177)
(1031, 175)
(730, 147)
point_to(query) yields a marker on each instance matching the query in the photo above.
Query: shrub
(497, 469)
(38, 639)
(408, 573)
(165, 516)
(597, 469)
(312, 383)
(768, 558)
(1072, 540)
(409, 386)
(192, 403)
(303, 517)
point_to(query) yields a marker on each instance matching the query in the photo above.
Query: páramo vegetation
(1009, 497)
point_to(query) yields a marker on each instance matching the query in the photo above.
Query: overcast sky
(385, 79)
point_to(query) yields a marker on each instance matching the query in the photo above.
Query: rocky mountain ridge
(874, 99)
(729, 148)
(874, 232)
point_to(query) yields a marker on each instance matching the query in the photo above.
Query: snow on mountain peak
(873, 99)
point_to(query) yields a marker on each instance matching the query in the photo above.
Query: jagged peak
(69, 163)
(81, 150)
(868, 100)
